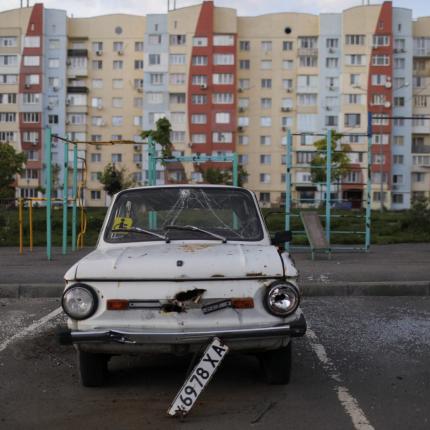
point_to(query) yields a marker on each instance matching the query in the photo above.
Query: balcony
(77, 52)
(310, 52)
(77, 90)
(420, 148)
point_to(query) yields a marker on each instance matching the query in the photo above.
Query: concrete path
(402, 269)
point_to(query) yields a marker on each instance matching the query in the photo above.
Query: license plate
(199, 378)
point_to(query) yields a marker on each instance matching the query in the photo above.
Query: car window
(230, 213)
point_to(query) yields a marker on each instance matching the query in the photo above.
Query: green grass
(387, 227)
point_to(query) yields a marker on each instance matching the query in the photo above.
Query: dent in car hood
(180, 261)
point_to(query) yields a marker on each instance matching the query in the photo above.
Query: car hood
(179, 262)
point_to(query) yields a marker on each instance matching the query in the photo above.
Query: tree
(114, 179)
(161, 135)
(339, 160)
(217, 176)
(11, 164)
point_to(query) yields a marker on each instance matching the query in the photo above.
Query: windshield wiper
(194, 228)
(138, 230)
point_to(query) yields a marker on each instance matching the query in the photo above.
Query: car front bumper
(295, 328)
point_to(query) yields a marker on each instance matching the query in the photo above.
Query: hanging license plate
(199, 378)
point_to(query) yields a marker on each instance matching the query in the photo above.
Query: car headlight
(282, 299)
(79, 301)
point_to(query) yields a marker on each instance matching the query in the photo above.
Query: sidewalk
(402, 269)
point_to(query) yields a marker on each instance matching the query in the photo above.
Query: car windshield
(184, 213)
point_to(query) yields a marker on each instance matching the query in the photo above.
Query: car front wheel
(276, 365)
(92, 368)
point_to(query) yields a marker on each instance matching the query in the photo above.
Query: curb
(386, 288)
(330, 289)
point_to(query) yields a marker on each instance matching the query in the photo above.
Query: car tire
(276, 365)
(92, 368)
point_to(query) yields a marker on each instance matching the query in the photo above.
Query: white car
(176, 266)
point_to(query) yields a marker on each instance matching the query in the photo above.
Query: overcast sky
(81, 8)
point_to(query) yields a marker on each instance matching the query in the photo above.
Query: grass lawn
(386, 227)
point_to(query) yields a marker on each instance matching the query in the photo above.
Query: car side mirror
(282, 237)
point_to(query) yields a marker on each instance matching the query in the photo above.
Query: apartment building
(227, 83)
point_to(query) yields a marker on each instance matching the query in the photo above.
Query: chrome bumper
(294, 329)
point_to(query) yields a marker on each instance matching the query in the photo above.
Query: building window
(177, 39)
(265, 159)
(156, 78)
(222, 98)
(265, 178)
(266, 121)
(222, 137)
(244, 64)
(222, 118)
(352, 120)
(198, 118)
(138, 46)
(200, 41)
(266, 83)
(266, 46)
(223, 40)
(52, 119)
(199, 99)
(116, 158)
(96, 157)
(97, 64)
(154, 59)
(223, 59)
(177, 78)
(95, 195)
(355, 39)
(266, 64)
(266, 103)
(381, 41)
(199, 60)
(198, 138)
(29, 60)
(244, 45)
(265, 140)
(177, 59)
(119, 83)
(264, 197)
(138, 64)
(287, 45)
(54, 63)
(155, 39)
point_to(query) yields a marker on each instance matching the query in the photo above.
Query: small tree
(339, 160)
(161, 135)
(114, 180)
(217, 176)
(11, 164)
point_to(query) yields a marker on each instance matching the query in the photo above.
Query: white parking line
(348, 402)
(30, 328)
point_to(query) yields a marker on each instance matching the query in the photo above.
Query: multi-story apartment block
(227, 83)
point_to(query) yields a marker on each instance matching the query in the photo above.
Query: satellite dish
(387, 104)
(388, 85)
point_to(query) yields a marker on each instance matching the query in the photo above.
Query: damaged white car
(176, 266)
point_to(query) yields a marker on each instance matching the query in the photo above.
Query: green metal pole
(152, 162)
(65, 194)
(235, 169)
(152, 177)
(369, 183)
(288, 163)
(48, 192)
(74, 194)
(328, 187)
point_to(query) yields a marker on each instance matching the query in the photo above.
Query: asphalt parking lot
(364, 364)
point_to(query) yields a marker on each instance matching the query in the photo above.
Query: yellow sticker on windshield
(122, 222)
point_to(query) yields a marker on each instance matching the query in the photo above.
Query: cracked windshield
(184, 213)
